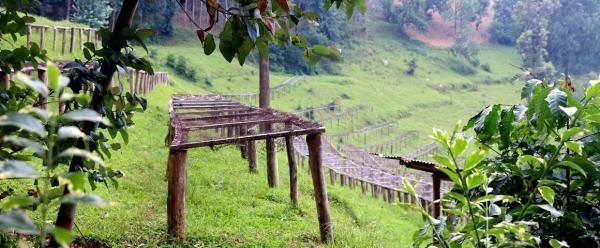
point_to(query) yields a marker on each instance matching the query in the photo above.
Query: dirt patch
(441, 32)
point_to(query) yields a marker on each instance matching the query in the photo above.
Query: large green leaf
(547, 193)
(574, 146)
(573, 166)
(529, 88)
(62, 236)
(70, 132)
(473, 160)
(84, 115)
(16, 169)
(17, 221)
(209, 44)
(80, 153)
(409, 187)
(89, 199)
(23, 121)
(475, 179)
(487, 125)
(553, 211)
(557, 99)
(33, 84)
(37, 148)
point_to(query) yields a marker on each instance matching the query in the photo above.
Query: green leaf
(62, 236)
(17, 221)
(558, 244)
(444, 160)
(547, 193)
(16, 169)
(409, 187)
(226, 49)
(487, 125)
(475, 180)
(592, 90)
(70, 132)
(567, 134)
(574, 146)
(23, 121)
(80, 153)
(530, 159)
(473, 160)
(76, 181)
(90, 199)
(144, 33)
(553, 211)
(209, 44)
(26, 143)
(529, 88)
(84, 115)
(459, 145)
(556, 99)
(33, 84)
(573, 166)
(568, 111)
(53, 76)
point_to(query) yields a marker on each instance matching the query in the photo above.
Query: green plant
(35, 134)
(533, 177)
(91, 12)
(181, 65)
(412, 67)
(486, 67)
(170, 61)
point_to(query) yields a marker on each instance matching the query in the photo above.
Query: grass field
(227, 206)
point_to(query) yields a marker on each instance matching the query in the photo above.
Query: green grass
(227, 206)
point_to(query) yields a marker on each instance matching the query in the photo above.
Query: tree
(157, 15)
(464, 14)
(503, 30)
(532, 20)
(412, 12)
(94, 13)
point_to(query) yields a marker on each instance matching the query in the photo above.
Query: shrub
(412, 67)
(171, 61)
(191, 74)
(462, 67)
(208, 82)
(181, 66)
(486, 67)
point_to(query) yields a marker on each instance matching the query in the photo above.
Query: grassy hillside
(227, 206)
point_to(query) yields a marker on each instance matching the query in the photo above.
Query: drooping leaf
(569, 133)
(553, 211)
(529, 88)
(23, 121)
(37, 148)
(62, 236)
(80, 153)
(445, 161)
(573, 166)
(409, 187)
(547, 193)
(70, 132)
(17, 221)
(473, 160)
(16, 169)
(33, 84)
(574, 146)
(474, 180)
(556, 99)
(209, 44)
(90, 199)
(84, 115)
(558, 244)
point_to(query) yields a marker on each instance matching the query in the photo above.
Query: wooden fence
(63, 38)
(251, 98)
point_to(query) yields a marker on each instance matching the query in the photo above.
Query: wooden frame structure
(436, 177)
(209, 120)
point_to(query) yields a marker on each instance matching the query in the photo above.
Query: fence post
(64, 40)
(293, 170)
(315, 161)
(177, 176)
(54, 38)
(72, 44)
(42, 34)
(28, 36)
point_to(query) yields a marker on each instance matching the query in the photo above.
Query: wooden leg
(436, 195)
(177, 176)
(293, 170)
(315, 163)
(363, 186)
(252, 156)
(272, 167)
(332, 176)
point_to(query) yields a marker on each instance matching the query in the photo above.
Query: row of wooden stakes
(85, 35)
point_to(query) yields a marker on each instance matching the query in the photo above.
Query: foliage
(412, 67)
(94, 13)
(463, 14)
(486, 67)
(157, 15)
(533, 177)
(503, 30)
(412, 12)
(253, 25)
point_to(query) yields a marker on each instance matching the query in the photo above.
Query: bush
(412, 67)
(181, 66)
(208, 82)
(486, 67)
(191, 74)
(171, 61)
(461, 67)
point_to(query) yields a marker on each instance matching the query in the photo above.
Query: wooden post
(272, 168)
(342, 180)
(384, 192)
(5, 80)
(315, 163)
(64, 41)
(42, 34)
(252, 156)
(363, 187)
(28, 36)
(89, 34)
(293, 170)
(72, 44)
(436, 195)
(80, 38)
(332, 176)
(54, 39)
(392, 196)
(177, 176)
(406, 197)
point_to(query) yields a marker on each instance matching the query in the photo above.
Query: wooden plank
(231, 124)
(177, 176)
(252, 153)
(214, 117)
(289, 142)
(320, 189)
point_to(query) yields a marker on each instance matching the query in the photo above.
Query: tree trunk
(68, 10)
(66, 212)
(272, 170)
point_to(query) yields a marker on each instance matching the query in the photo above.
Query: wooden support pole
(384, 192)
(64, 41)
(177, 175)
(406, 197)
(42, 102)
(289, 142)
(315, 163)
(342, 180)
(28, 36)
(436, 195)
(54, 39)
(42, 34)
(72, 43)
(5, 80)
(80, 38)
(392, 196)
(332, 176)
(272, 167)
(363, 187)
(252, 155)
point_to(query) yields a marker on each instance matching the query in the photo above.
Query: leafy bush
(486, 67)
(461, 67)
(170, 61)
(532, 178)
(412, 67)
(181, 65)
(94, 13)
(208, 82)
